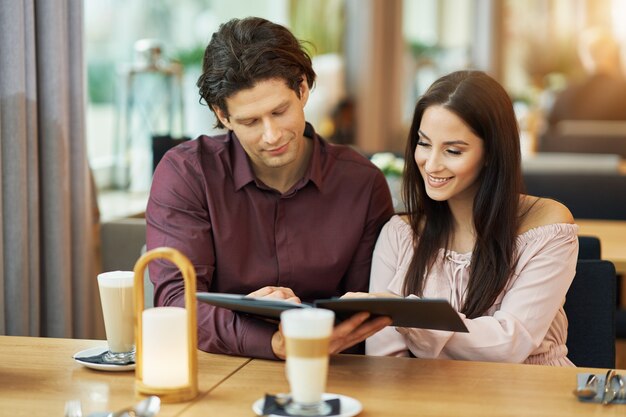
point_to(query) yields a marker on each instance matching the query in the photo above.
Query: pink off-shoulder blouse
(526, 324)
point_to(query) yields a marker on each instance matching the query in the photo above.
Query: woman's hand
(370, 295)
(355, 330)
(345, 335)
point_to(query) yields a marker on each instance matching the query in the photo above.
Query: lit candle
(165, 350)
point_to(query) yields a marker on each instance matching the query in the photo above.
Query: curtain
(47, 213)
(375, 72)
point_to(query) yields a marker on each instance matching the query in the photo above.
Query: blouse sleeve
(386, 265)
(524, 312)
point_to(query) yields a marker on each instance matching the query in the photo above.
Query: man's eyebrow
(280, 106)
(448, 142)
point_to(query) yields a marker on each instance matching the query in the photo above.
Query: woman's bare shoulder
(538, 211)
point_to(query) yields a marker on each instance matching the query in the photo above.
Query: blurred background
(562, 62)
(373, 59)
(75, 178)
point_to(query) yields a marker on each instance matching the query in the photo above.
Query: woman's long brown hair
(486, 108)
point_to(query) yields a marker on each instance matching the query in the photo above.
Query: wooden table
(412, 387)
(612, 234)
(37, 376)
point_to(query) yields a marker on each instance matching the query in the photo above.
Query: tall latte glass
(116, 296)
(307, 334)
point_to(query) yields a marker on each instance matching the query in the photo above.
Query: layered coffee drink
(307, 336)
(307, 357)
(116, 297)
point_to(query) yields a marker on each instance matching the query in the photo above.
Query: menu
(424, 313)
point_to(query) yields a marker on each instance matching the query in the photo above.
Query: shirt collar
(314, 173)
(242, 169)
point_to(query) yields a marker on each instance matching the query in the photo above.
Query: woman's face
(450, 157)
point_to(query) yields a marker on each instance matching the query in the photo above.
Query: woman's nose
(433, 162)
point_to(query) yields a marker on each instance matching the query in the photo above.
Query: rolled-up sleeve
(177, 216)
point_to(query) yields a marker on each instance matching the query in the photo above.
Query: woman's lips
(438, 182)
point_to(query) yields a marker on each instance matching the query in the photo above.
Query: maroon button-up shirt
(240, 235)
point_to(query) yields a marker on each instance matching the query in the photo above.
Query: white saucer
(100, 366)
(349, 406)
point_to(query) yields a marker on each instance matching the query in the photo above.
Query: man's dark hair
(245, 51)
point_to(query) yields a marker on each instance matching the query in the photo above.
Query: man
(270, 208)
(602, 93)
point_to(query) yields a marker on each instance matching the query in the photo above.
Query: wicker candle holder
(166, 349)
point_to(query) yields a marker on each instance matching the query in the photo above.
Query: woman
(503, 259)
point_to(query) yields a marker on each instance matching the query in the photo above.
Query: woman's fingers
(354, 330)
(370, 295)
(356, 295)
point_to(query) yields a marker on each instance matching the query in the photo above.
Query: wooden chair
(123, 242)
(590, 309)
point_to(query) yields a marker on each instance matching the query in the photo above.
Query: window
(182, 27)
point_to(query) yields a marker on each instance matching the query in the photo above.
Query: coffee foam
(116, 279)
(307, 323)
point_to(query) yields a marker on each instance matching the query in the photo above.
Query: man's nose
(271, 132)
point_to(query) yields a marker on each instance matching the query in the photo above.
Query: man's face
(269, 121)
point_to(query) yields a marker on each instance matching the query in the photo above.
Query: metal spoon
(621, 391)
(590, 389)
(609, 393)
(145, 408)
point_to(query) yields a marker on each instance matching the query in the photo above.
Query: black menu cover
(423, 313)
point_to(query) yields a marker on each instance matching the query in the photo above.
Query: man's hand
(278, 344)
(346, 334)
(282, 293)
